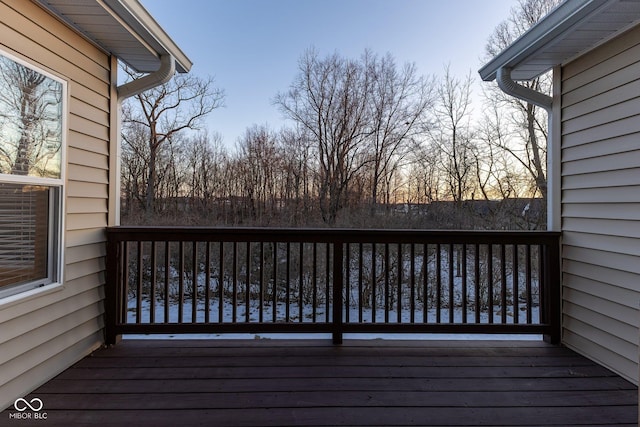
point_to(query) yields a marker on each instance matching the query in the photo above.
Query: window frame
(57, 198)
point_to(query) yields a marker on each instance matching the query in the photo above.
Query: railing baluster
(314, 279)
(528, 282)
(438, 283)
(360, 285)
(327, 284)
(464, 283)
(194, 282)
(207, 283)
(167, 266)
(516, 289)
(181, 282)
(503, 287)
(503, 283)
(234, 284)
(301, 284)
(542, 309)
(221, 285)
(476, 289)
(247, 285)
(347, 287)
(374, 283)
(288, 284)
(412, 282)
(452, 263)
(140, 271)
(425, 284)
(490, 280)
(400, 267)
(274, 309)
(261, 285)
(387, 268)
(153, 279)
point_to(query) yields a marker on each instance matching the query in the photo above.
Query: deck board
(312, 382)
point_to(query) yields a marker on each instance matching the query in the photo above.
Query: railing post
(553, 290)
(337, 292)
(112, 283)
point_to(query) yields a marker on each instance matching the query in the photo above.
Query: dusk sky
(252, 47)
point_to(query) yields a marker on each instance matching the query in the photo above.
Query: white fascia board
(563, 18)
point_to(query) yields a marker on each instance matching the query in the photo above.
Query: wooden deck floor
(311, 383)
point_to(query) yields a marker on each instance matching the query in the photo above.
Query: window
(31, 176)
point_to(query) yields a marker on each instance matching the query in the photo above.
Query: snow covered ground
(463, 289)
(308, 314)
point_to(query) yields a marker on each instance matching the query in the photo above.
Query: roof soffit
(122, 28)
(570, 30)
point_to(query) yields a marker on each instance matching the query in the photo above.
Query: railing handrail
(330, 235)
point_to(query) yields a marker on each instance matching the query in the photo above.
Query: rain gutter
(510, 87)
(161, 76)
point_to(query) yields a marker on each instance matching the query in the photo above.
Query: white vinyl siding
(45, 333)
(601, 203)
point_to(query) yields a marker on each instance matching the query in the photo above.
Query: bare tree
(452, 133)
(297, 183)
(259, 164)
(329, 99)
(163, 112)
(528, 127)
(134, 171)
(425, 184)
(400, 100)
(207, 160)
(502, 179)
(172, 176)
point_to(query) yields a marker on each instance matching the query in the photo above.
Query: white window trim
(55, 281)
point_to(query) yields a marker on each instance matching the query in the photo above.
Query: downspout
(510, 87)
(161, 76)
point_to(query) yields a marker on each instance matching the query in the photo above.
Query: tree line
(370, 144)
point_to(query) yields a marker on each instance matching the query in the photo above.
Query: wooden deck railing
(218, 280)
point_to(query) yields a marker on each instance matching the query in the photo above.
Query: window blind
(24, 224)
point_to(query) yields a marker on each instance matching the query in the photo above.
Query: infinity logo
(35, 404)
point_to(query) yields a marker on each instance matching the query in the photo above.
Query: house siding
(44, 334)
(601, 203)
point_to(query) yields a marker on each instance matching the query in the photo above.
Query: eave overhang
(569, 30)
(123, 28)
